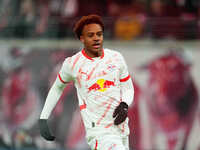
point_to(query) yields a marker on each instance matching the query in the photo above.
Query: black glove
(44, 130)
(121, 112)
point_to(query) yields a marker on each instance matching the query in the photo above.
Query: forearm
(52, 98)
(127, 92)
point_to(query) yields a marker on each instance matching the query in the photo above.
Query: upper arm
(124, 73)
(65, 73)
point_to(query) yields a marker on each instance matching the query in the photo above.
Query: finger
(48, 136)
(117, 120)
(120, 118)
(123, 118)
(51, 138)
(115, 113)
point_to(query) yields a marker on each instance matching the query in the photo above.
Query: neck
(93, 54)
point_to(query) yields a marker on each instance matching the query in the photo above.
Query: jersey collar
(90, 58)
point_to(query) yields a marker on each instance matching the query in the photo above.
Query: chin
(96, 50)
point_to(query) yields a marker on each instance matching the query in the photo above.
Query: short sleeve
(65, 73)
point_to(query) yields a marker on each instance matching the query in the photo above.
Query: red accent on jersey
(84, 54)
(109, 125)
(61, 79)
(96, 145)
(102, 53)
(82, 106)
(90, 74)
(125, 79)
(107, 84)
(123, 128)
(110, 148)
(75, 61)
(88, 57)
(94, 87)
(106, 111)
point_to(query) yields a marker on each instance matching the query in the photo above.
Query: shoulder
(75, 56)
(71, 59)
(112, 53)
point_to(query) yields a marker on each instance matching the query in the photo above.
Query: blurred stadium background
(160, 40)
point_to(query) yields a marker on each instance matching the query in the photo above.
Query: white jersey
(102, 83)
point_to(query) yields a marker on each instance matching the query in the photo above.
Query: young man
(104, 89)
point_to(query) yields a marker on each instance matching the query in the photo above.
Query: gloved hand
(44, 130)
(120, 113)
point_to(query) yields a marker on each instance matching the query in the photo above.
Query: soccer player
(104, 89)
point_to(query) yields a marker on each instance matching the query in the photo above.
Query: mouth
(96, 45)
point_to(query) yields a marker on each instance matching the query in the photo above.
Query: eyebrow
(94, 32)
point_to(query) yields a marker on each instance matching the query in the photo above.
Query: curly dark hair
(85, 20)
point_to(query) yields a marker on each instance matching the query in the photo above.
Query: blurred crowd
(124, 19)
(24, 86)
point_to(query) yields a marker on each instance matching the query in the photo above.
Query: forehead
(92, 28)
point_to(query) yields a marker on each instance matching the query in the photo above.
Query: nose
(96, 38)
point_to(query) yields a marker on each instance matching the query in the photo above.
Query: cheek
(88, 42)
(101, 38)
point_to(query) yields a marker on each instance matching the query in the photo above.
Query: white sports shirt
(101, 83)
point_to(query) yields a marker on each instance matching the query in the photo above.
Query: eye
(99, 34)
(90, 34)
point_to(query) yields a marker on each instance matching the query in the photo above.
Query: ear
(81, 39)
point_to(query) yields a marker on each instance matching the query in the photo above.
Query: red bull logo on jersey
(101, 85)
